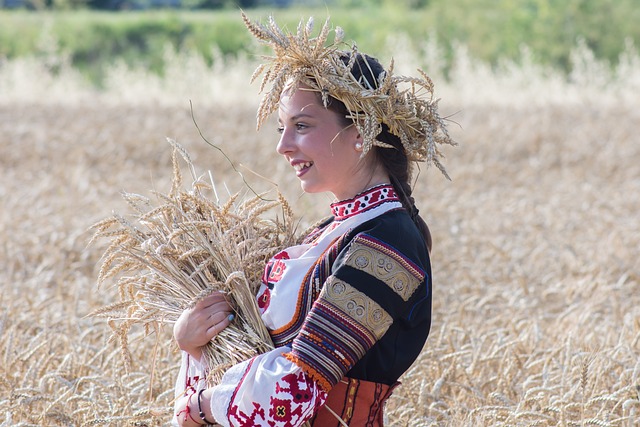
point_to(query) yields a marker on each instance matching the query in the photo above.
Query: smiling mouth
(299, 167)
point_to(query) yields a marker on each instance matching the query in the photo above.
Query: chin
(310, 188)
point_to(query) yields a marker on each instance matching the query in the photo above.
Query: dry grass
(536, 270)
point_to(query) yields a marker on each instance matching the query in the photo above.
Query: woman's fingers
(214, 306)
(216, 301)
(197, 325)
(219, 325)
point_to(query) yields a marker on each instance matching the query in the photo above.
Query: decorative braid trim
(364, 201)
(342, 326)
(311, 372)
(386, 264)
(308, 293)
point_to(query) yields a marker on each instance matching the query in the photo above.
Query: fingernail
(231, 317)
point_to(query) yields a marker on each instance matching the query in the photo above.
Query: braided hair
(366, 70)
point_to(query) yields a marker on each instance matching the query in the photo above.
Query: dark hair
(366, 70)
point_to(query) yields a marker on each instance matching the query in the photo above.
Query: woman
(349, 309)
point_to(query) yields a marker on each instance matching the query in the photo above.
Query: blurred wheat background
(536, 317)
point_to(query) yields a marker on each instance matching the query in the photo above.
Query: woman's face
(319, 147)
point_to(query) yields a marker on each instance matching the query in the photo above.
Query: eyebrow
(301, 115)
(297, 117)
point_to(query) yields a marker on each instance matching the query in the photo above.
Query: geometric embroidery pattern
(382, 262)
(359, 306)
(363, 202)
(342, 326)
(294, 399)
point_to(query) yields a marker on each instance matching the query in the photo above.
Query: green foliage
(96, 39)
(19, 33)
(491, 29)
(495, 29)
(397, 4)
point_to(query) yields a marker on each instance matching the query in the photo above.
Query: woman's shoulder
(394, 231)
(394, 225)
(385, 256)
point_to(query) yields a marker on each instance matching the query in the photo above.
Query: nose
(285, 144)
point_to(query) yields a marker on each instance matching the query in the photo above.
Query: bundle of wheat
(168, 257)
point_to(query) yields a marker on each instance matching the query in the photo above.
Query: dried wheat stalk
(165, 258)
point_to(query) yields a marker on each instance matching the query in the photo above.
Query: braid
(395, 161)
(396, 164)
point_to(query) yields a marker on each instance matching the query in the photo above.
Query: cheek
(313, 147)
(347, 155)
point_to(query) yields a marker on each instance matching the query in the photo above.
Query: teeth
(300, 166)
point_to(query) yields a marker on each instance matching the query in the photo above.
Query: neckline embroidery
(364, 201)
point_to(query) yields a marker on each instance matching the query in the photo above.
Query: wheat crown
(406, 105)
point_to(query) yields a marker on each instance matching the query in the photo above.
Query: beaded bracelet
(200, 411)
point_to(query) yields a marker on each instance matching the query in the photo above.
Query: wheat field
(536, 317)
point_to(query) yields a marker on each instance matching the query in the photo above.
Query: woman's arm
(372, 286)
(195, 327)
(266, 390)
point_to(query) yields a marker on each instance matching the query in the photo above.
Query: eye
(299, 127)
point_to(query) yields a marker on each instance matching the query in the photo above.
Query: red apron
(357, 403)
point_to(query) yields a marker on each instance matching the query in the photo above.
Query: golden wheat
(166, 258)
(535, 259)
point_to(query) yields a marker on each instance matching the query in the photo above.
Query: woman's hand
(197, 325)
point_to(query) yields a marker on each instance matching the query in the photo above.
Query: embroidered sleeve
(385, 264)
(191, 377)
(267, 390)
(358, 303)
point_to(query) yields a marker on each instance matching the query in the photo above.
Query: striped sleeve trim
(342, 326)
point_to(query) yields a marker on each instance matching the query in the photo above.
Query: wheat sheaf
(165, 257)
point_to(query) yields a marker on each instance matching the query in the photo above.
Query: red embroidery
(191, 383)
(280, 410)
(364, 201)
(294, 381)
(264, 300)
(275, 268)
(282, 255)
(247, 420)
(277, 271)
(288, 407)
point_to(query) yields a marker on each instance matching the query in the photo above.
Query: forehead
(301, 100)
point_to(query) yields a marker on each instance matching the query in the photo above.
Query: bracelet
(200, 411)
(187, 410)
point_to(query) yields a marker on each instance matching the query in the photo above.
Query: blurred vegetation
(491, 29)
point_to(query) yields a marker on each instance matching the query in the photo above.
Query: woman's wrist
(195, 353)
(188, 417)
(204, 406)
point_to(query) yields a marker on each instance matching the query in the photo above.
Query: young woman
(349, 309)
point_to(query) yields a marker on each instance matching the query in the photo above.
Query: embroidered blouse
(354, 299)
